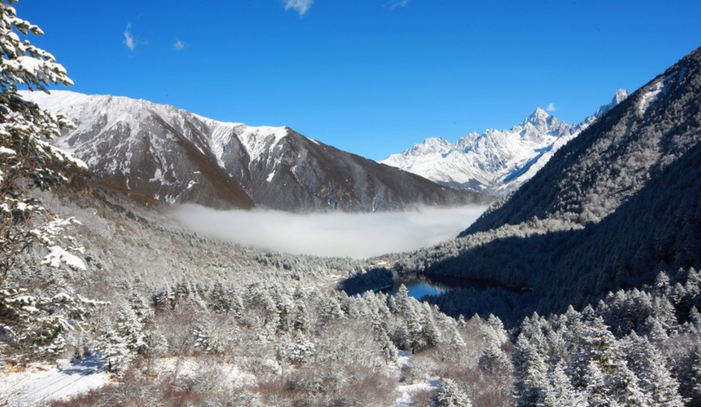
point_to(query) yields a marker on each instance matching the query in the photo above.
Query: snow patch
(259, 140)
(7, 151)
(38, 383)
(187, 367)
(58, 255)
(649, 97)
(407, 391)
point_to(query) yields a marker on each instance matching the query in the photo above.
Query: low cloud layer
(336, 234)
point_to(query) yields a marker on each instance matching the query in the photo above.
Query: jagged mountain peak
(433, 145)
(496, 161)
(620, 96)
(540, 119)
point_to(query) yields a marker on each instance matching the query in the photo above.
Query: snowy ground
(407, 391)
(226, 374)
(39, 383)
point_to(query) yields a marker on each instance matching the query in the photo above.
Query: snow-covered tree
(26, 157)
(530, 373)
(450, 395)
(560, 392)
(653, 376)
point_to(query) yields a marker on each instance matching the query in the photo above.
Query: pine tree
(401, 299)
(530, 374)
(654, 378)
(601, 371)
(430, 333)
(388, 349)
(560, 392)
(301, 316)
(494, 361)
(450, 395)
(693, 381)
(413, 326)
(26, 157)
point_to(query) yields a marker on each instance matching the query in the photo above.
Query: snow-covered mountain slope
(496, 161)
(174, 156)
(152, 151)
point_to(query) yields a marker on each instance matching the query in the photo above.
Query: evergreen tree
(494, 361)
(693, 379)
(653, 376)
(450, 395)
(401, 299)
(26, 157)
(301, 317)
(530, 374)
(430, 333)
(413, 326)
(560, 392)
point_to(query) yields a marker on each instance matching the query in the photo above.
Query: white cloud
(179, 45)
(128, 38)
(551, 107)
(398, 3)
(335, 234)
(302, 6)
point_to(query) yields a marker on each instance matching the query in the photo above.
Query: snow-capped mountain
(496, 161)
(160, 152)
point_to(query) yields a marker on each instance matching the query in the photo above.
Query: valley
(154, 256)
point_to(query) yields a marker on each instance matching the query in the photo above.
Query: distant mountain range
(496, 161)
(158, 152)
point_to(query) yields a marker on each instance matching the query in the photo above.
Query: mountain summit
(496, 161)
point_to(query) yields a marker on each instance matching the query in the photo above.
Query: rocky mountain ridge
(495, 162)
(174, 156)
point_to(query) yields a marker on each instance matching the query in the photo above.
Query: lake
(418, 285)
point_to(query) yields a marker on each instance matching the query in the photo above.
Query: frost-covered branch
(26, 157)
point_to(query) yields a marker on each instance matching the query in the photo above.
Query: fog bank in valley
(330, 234)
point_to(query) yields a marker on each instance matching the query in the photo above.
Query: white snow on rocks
(496, 161)
(653, 92)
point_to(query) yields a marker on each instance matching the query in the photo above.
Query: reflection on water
(418, 285)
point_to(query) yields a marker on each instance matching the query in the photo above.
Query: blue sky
(372, 77)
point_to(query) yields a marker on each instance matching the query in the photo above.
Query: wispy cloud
(395, 4)
(178, 45)
(128, 38)
(551, 107)
(302, 6)
(336, 234)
